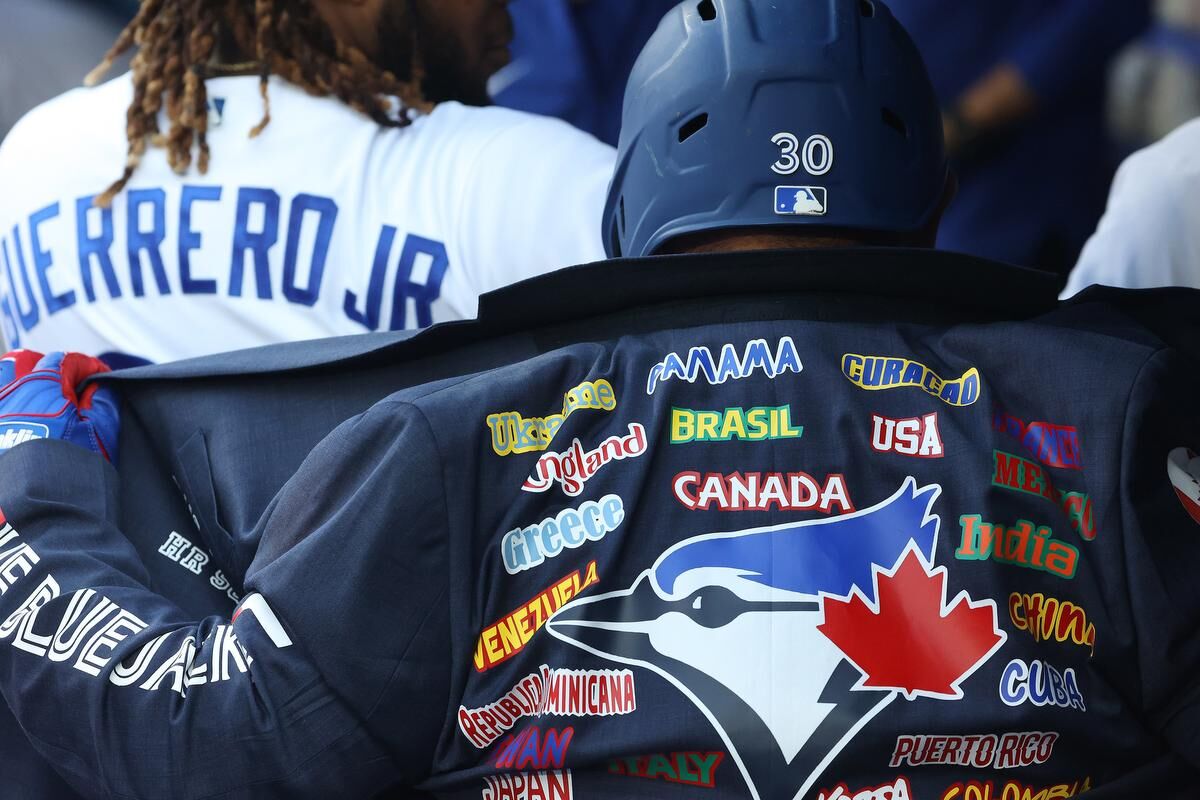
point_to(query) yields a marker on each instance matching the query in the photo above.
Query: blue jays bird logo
(791, 638)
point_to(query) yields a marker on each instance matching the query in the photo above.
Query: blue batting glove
(40, 399)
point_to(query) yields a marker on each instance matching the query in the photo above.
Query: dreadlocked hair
(176, 41)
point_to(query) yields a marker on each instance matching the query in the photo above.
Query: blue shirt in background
(1036, 194)
(572, 59)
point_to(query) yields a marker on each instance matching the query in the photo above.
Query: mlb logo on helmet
(801, 201)
(14, 433)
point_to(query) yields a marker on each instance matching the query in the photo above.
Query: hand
(40, 399)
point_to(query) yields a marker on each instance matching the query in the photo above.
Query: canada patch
(790, 639)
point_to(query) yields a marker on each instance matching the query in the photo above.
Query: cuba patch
(1053, 445)
(525, 548)
(1040, 684)
(876, 373)
(508, 635)
(512, 433)
(554, 785)
(760, 491)
(689, 768)
(1022, 475)
(576, 466)
(1023, 545)
(1051, 619)
(985, 750)
(729, 365)
(1014, 790)
(1183, 468)
(915, 436)
(752, 425)
(896, 790)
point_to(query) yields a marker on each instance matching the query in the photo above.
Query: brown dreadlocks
(177, 41)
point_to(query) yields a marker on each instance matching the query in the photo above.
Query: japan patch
(805, 201)
(1183, 468)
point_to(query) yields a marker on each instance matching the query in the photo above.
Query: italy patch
(801, 201)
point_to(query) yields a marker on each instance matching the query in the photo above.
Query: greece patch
(807, 201)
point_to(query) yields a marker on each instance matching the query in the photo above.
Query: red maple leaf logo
(911, 641)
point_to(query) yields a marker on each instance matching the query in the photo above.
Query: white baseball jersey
(326, 224)
(1150, 234)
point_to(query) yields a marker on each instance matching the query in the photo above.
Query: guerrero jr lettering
(689, 768)
(985, 750)
(561, 692)
(700, 363)
(757, 491)
(577, 466)
(512, 433)
(507, 636)
(1021, 475)
(753, 425)
(875, 373)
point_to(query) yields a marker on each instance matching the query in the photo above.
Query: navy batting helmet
(752, 113)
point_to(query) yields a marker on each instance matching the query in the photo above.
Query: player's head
(778, 121)
(384, 58)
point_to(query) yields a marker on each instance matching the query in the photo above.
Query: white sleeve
(1150, 234)
(533, 201)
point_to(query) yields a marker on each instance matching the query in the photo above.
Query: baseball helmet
(757, 113)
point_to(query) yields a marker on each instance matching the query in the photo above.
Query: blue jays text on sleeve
(785, 548)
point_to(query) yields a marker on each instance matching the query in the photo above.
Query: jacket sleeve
(1160, 511)
(1073, 41)
(129, 698)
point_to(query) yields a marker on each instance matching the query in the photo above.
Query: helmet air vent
(692, 127)
(893, 121)
(708, 11)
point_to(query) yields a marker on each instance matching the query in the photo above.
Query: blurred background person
(1156, 81)
(572, 58)
(1149, 236)
(1022, 85)
(277, 170)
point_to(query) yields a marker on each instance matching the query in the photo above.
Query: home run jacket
(809, 539)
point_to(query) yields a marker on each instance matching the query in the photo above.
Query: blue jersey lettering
(138, 240)
(327, 211)
(257, 244)
(99, 247)
(43, 261)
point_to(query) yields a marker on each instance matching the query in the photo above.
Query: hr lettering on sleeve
(92, 626)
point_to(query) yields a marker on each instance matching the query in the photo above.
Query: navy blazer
(895, 416)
